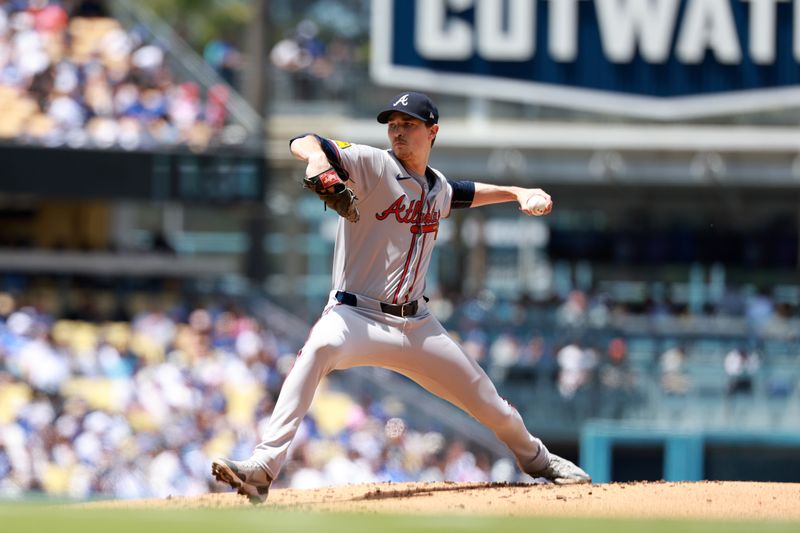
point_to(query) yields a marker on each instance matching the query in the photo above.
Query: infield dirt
(715, 500)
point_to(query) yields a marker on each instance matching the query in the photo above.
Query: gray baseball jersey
(386, 254)
(379, 271)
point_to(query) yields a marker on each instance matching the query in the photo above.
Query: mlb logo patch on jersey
(342, 144)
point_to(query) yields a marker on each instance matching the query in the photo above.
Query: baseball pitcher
(391, 204)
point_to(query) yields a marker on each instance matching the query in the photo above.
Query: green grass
(43, 518)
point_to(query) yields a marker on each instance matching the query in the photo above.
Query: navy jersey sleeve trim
(463, 194)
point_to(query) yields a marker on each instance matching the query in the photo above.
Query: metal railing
(188, 63)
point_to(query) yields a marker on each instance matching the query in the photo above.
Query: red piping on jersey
(405, 268)
(424, 230)
(416, 270)
(410, 250)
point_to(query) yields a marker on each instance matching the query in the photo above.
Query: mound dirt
(698, 500)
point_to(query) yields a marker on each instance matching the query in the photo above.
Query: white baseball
(536, 205)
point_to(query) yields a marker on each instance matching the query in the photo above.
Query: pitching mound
(707, 499)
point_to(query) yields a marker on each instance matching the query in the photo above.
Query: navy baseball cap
(417, 105)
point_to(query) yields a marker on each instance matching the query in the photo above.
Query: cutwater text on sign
(658, 58)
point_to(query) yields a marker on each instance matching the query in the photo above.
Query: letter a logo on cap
(402, 100)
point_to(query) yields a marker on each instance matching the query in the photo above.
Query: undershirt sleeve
(361, 166)
(463, 193)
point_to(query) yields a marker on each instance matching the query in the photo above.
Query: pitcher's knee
(492, 409)
(495, 416)
(320, 353)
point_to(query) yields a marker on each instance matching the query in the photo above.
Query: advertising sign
(661, 59)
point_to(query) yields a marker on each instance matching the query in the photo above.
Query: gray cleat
(247, 477)
(562, 472)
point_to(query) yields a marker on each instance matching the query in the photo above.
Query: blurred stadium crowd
(139, 408)
(575, 338)
(82, 80)
(310, 68)
(138, 405)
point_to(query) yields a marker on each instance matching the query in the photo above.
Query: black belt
(401, 310)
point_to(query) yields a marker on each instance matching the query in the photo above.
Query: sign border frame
(383, 72)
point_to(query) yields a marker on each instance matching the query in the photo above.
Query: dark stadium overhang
(223, 177)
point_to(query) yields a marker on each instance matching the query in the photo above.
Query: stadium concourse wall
(625, 450)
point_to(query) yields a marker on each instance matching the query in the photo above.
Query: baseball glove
(336, 195)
